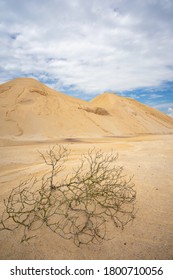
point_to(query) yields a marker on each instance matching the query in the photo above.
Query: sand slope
(31, 110)
(131, 116)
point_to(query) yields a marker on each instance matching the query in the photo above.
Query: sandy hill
(131, 116)
(31, 110)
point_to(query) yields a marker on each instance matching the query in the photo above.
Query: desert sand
(150, 236)
(33, 120)
(32, 111)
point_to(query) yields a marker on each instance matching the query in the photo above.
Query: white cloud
(166, 107)
(163, 105)
(170, 112)
(94, 45)
(155, 95)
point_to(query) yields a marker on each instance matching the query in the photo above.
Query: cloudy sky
(84, 48)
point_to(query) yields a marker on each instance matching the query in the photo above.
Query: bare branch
(80, 206)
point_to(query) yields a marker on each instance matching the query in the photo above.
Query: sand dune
(34, 117)
(31, 110)
(132, 117)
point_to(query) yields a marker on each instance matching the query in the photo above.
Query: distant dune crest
(31, 110)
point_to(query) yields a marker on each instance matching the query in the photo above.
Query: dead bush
(78, 206)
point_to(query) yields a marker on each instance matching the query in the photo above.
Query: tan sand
(30, 110)
(34, 117)
(150, 236)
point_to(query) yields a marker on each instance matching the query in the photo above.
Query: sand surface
(150, 236)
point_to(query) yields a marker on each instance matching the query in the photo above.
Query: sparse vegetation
(96, 110)
(40, 91)
(77, 206)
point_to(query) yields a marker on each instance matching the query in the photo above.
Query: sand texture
(35, 117)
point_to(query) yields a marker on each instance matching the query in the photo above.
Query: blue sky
(84, 48)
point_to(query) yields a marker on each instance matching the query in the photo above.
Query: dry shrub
(95, 110)
(77, 207)
(41, 92)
